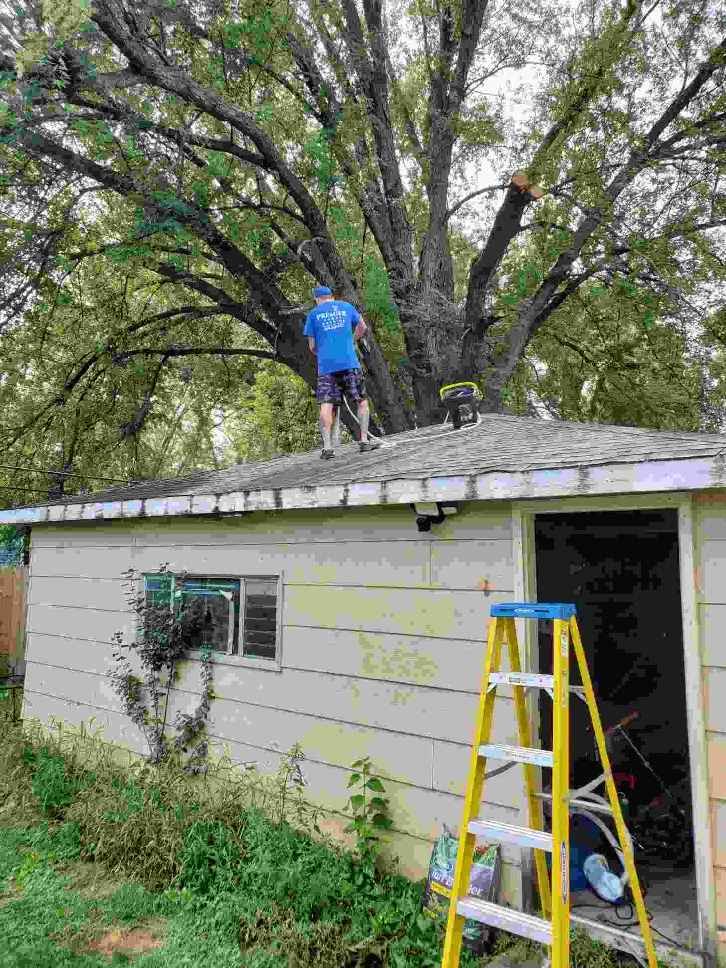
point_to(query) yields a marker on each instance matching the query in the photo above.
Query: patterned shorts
(331, 386)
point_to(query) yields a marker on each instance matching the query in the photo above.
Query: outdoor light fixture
(429, 513)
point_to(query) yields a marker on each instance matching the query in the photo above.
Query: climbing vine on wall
(164, 635)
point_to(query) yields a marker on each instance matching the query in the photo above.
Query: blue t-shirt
(331, 325)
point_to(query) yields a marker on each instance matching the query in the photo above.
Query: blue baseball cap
(320, 291)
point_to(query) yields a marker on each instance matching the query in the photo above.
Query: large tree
(236, 152)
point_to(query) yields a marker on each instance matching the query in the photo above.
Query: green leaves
(370, 813)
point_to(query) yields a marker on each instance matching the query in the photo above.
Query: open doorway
(621, 570)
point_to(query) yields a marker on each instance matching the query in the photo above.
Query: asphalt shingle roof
(498, 443)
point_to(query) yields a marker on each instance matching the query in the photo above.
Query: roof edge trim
(645, 476)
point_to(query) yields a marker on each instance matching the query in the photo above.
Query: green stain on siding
(336, 743)
(410, 612)
(399, 663)
(401, 697)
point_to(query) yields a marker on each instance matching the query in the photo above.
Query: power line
(25, 490)
(88, 477)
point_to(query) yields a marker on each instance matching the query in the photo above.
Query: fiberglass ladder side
(554, 928)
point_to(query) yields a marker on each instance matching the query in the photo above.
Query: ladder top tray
(536, 610)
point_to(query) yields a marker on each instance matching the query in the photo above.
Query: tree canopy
(530, 196)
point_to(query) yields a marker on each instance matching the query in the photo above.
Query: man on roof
(332, 329)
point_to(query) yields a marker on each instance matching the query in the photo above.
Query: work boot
(366, 445)
(327, 454)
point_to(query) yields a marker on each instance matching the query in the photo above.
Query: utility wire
(39, 470)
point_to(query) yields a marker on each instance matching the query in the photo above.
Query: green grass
(213, 868)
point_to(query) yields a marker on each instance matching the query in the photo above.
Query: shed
(357, 630)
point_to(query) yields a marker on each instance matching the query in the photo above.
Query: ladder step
(506, 919)
(517, 754)
(528, 679)
(510, 834)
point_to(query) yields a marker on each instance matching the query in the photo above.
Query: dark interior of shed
(621, 570)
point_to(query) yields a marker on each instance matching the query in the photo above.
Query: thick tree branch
(373, 80)
(171, 351)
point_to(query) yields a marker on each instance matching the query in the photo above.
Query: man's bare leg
(326, 425)
(336, 426)
(364, 414)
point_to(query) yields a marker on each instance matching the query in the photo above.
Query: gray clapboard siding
(712, 626)
(415, 611)
(334, 524)
(110, 725)
(85, 562)
(436, 663)
(718, 814)
(89, 624)
(713, 572)
(82, 535)
(443, 663)
(415, 710)
(228, 717)
(75, 684)
(105, 594)
(401, 563)
(383, 646)
(439, 612)
(452, 564)
(401, 757)
(410, 710)
(715, 689)
(710, 518)
(471, 563)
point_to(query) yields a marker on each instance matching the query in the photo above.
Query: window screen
(260, 619)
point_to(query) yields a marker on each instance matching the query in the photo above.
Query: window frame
(228, 657)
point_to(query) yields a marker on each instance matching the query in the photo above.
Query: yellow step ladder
(553, 929)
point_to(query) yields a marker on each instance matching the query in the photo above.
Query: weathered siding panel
(455, 664)
(89, 624)
(382, 645)
(411, 611)
(248, 702)
(712, 629)
(715, 698)
(710, 561)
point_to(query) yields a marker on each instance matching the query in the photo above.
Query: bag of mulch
(483, 884)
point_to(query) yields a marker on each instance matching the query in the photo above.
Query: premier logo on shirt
(332, 319)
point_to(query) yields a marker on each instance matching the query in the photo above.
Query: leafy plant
(370, 813)
(163, 637)
(290, 783)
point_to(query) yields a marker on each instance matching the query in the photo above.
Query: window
(235, 616)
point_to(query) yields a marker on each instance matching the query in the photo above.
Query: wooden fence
(13, 585)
